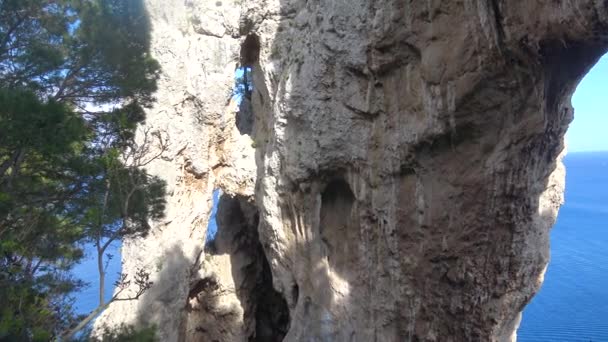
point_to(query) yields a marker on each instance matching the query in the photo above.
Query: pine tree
(75, 77)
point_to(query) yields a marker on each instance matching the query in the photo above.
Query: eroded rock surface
(405, 157)
(198, 46)
(233, 299)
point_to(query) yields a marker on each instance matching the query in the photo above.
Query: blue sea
(88, 299)
(572, 304)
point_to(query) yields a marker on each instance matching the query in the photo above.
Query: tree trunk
(102, 275)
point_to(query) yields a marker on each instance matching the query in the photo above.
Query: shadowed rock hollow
(404, 162)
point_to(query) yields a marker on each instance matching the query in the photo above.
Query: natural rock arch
(445, 119)
(448, 119)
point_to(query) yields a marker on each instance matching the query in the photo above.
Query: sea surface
(88, 299)
(572, 304)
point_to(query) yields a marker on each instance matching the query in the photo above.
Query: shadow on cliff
(261, 313)
(158, 302)
(312, 253)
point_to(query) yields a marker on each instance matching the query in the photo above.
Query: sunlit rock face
(198, 45)
(403, 163)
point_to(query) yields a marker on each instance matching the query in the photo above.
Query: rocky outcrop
(405, 159)
(198, 46)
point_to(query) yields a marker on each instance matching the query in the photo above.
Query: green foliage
(122, 333)
(75, 76)
(74, 50)
(126, 333)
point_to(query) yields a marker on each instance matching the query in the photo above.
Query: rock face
(198, 46)
(403, 167)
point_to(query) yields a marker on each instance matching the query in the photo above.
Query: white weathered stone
(194, 111)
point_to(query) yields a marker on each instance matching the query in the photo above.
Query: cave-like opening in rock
(572, 303)
(336, 224)
(265, 315)
(250, 50)
(264, 306)
(272, 313)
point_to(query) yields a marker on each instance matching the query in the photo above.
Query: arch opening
(572, 304)
(212, 225)
(243, 87)
(234, 297)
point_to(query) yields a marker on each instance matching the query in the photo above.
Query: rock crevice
(232, 298)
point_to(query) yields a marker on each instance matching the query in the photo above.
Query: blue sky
(589, 130)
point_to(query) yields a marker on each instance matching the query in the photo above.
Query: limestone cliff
(398, 182)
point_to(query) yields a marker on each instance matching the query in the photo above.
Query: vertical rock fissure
(242, 94)
(243, 88)
(271, 313)
(234, 299)
(212, 225)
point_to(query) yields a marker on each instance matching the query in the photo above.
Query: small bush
(126, 333)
